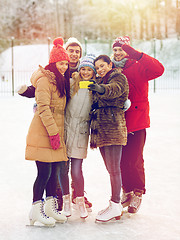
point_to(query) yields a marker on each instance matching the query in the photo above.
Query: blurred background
(152, 25)
(105, 19)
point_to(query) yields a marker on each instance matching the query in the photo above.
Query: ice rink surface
(159, 215)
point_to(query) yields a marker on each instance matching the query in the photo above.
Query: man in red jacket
(139, 68)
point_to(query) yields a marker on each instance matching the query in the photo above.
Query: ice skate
(135, 202)
(87, 203)
(51, 209)
(126, 198)
(66, 205)
(80, 206)
(37, 214)
(113, 211)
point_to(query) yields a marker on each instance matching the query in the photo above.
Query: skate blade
(40, 226)
(62, 222)
(114, 219)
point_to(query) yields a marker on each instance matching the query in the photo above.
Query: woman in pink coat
(139, 68)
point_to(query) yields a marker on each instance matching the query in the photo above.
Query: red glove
(55, 141)
(132, 52)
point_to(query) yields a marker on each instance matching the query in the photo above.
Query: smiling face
(62, 66)
(119, 53)
(74, 53)
(86, 73)
(102, 67)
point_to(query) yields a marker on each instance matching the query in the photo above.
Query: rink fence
(11, 80)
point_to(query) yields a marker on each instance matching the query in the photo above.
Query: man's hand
(134, 54)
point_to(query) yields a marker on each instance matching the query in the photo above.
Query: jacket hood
(41, 72)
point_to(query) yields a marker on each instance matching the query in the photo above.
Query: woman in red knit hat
(45, 140)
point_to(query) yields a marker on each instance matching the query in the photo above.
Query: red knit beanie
(120, 41)
(58, 53)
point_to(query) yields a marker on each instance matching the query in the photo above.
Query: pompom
(58, 41)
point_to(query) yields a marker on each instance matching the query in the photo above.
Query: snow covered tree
(39, 19)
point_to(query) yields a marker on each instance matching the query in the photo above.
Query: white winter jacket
(77, 124)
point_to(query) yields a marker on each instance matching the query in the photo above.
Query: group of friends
(112, 113)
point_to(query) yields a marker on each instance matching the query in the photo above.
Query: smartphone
(84, 84)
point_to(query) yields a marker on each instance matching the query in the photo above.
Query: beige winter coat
(48, 120)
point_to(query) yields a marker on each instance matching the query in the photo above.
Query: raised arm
(26, 91)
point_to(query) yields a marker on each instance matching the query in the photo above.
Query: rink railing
(169, 81)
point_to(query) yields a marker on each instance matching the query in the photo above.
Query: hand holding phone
(85, 84)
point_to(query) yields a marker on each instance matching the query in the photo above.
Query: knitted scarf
(120, 63)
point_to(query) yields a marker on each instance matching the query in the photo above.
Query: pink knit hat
(58, 53)
(120, 41)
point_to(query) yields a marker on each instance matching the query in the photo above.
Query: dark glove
(55, 141)
(134, 54)
(96, 87)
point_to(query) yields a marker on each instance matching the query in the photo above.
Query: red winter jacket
(138, 74)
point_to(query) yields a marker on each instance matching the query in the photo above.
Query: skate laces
(82, 207)
(42, 210)
(106, 210)
(55, 205)
(66, 205)
(125, 196)
(136, 200)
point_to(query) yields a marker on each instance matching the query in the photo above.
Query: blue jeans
(112, 159)
(77, 177)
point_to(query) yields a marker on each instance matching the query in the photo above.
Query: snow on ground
(158, 217)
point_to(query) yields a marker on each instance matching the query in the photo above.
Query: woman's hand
(55, 141)
(96, 87)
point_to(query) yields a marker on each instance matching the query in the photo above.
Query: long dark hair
(62, 82)
(105, 58)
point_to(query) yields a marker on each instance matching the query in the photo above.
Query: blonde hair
(76, 78)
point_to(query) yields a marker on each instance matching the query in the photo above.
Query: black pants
(132, 162)
(47, 176)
